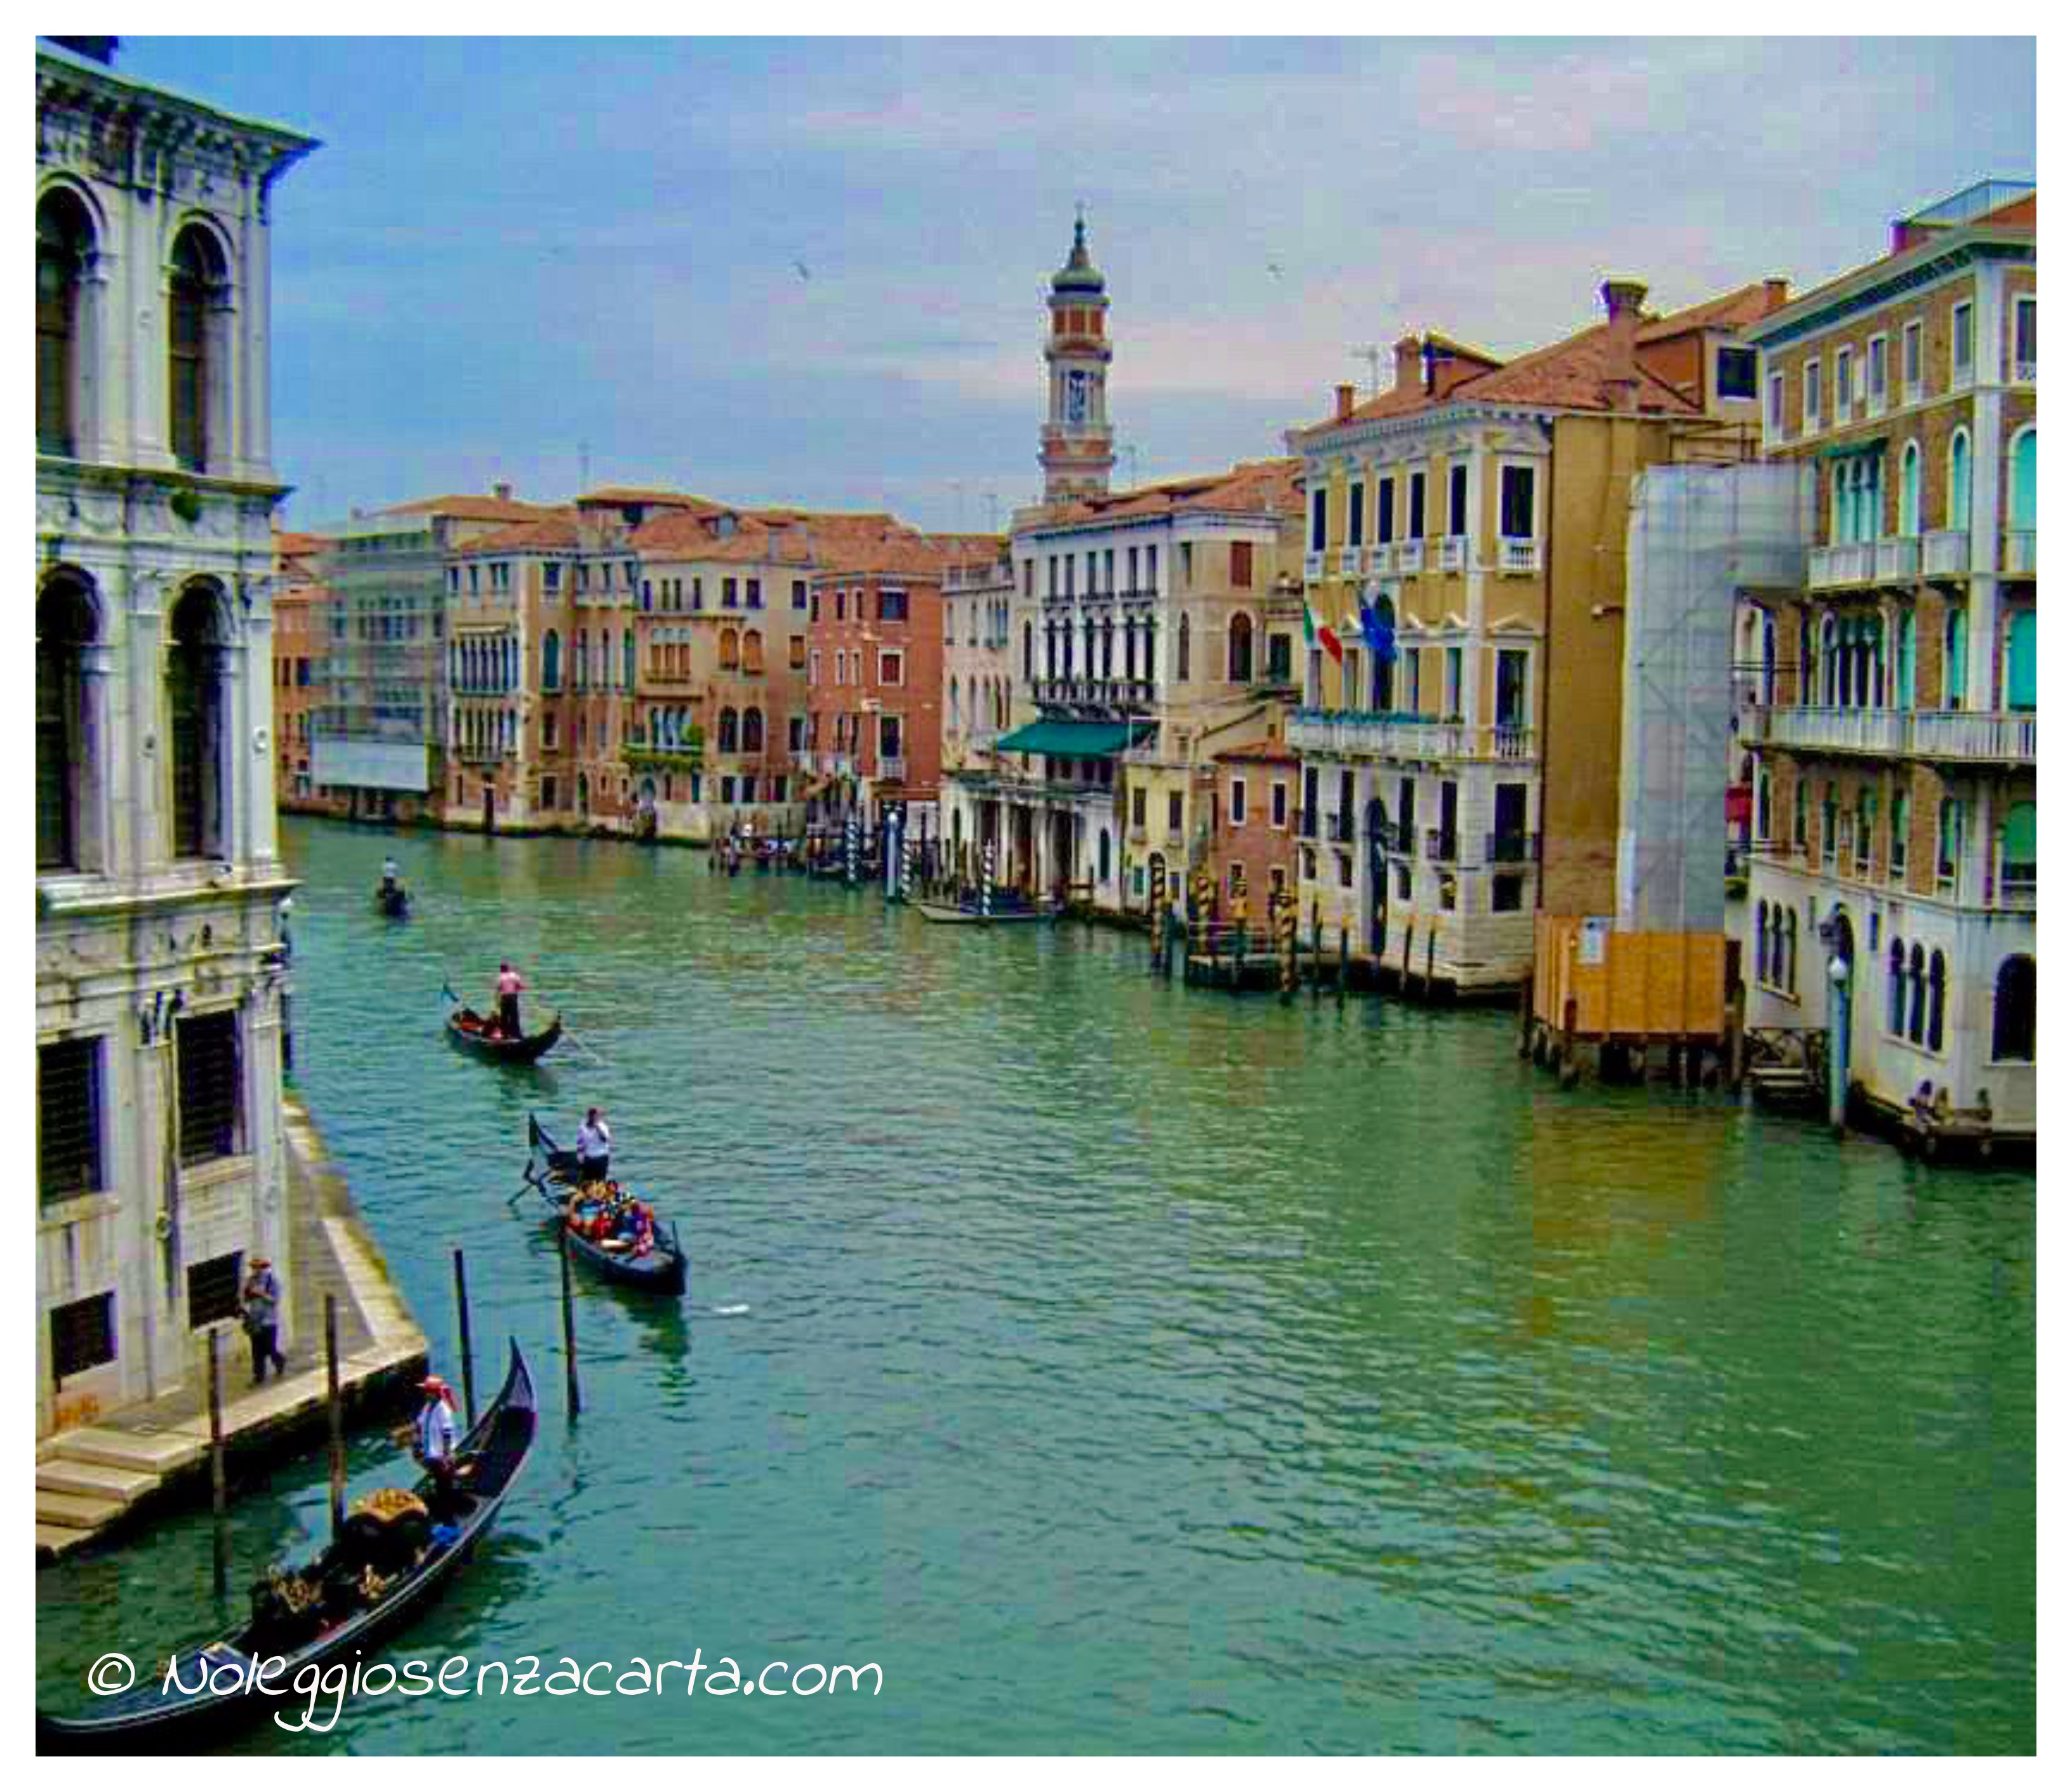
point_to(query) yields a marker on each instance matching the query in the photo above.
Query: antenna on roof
(1129, 448)
(1372, 354)
(582, 460)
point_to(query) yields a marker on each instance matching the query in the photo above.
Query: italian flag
(1315, 631)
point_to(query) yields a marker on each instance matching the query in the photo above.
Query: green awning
(1075, 740)
(1863, 444)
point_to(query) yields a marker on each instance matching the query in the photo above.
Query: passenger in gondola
(593, 1148)
(509, 985)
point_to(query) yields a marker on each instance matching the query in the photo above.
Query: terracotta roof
(1272, 753)
(286, 542)
(905, 553)
(474, 509)
(641, 495)
(551, 535)
(1730, 311)
(1268, 485)
(1571, 375)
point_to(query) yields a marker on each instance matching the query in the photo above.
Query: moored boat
(969, 914)
(329, 1612)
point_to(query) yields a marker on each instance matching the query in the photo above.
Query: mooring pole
(336, 1408)
(467, 1342)
(568, 1328)
(219, 1483)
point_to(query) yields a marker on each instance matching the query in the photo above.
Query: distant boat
(469, 1030)
(960, 913)
(153, 1717)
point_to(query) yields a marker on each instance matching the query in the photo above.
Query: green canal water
(1130, 1368)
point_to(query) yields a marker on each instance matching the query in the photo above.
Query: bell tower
(1079, 446)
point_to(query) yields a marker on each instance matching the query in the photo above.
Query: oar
(583, 1047)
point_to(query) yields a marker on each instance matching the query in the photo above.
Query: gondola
(393, 900)
(464, 1028)
(151, 1717)
(969, 914)
(665, 1269)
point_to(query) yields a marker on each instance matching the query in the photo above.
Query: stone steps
(57, 1538)
(146, 1453)
(75, 1511)
(94, 1480)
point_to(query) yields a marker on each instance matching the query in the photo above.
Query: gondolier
(438, 1440)
(593, 1148)
(508, 986)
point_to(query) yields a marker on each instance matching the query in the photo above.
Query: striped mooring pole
(849, 850)
(985, 885)
(905, 864)
(888, 854)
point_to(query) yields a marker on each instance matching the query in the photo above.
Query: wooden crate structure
(1593, 983)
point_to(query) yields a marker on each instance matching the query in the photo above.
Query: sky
(813, 270)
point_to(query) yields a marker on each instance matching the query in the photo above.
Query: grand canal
(1129, 1368)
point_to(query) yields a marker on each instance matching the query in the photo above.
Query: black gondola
(468, 1030)
(393, 900)
(664, 1269)
(154, 1717)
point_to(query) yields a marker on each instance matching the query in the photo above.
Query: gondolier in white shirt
(593, 1148)
(438, 1441)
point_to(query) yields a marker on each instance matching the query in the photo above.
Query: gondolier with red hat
(436, 1444)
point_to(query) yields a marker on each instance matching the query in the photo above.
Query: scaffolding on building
(382, 667)
(1698, 536)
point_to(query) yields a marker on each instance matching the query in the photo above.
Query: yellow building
(1461, 762)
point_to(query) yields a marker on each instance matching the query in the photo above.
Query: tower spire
(1077, 452)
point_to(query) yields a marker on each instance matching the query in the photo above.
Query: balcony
(1946, 553)
(1398, 837)
(1898, 557)
(2007, 736)
(2018, 553)
(1312, 566)
(1453, 554)
(1409, 558)
(1349, 560)
(1517, 556)
(1441, 847)
(892, 770)
(1511, 848)
(1113, 693)
(1357, 734)
(2024, 373)
(1852, 563)
(1339, 828)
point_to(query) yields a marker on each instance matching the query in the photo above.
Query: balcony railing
(2005, 736)
(1441, 847)
(1313, 564)
(1116, 692)
(1945, 553)
(1453, 554)
(892, 771)
(1409, 558)
(1851, 563)
(1517, 556)
(1511, 848)
(1898, 557)
(2018, 553)
(1356, 734)
(1349, 560)
(1339, 828)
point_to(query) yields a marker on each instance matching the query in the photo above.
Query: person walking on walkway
(593, 1148)
(261, 1298)
(508, 985)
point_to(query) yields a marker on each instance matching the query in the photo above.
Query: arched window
(193, 291)
(550, 662)
(751, 730)
(1104, 855)
(1902, 683)
(195, 718)
(730, 649)
(1831, 663)
(1917, 994)
(1799, 815)
(626, 677)
(64, 628)
(1909, 490)
(1867, 810)
(956, 706)
(1960, 482)
(751, 651)
(2022, 481)
(1895, 994)
(1187, 637)
(1831, 824)
(579, 672)
(604, 660)
(728, 725)
(1791, 980)
(2014, 1011)
(1240, 649)
(1937, 986)
(1029, 651)
(1762, 942)
(1956, 638)
(2018, 850)
(64, 249)
(1762, 806)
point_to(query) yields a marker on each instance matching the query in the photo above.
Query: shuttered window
(210, 1109)
(68, 1105)
(213, 1288)
(82, 1336)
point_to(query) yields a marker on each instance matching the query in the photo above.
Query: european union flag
(1378, 636)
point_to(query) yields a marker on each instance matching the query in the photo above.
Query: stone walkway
(90, 1478)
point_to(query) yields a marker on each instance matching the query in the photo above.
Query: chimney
(1622, 380)
(503, 493)
(1776, 295)
(1345, 402)
(1409, 363)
